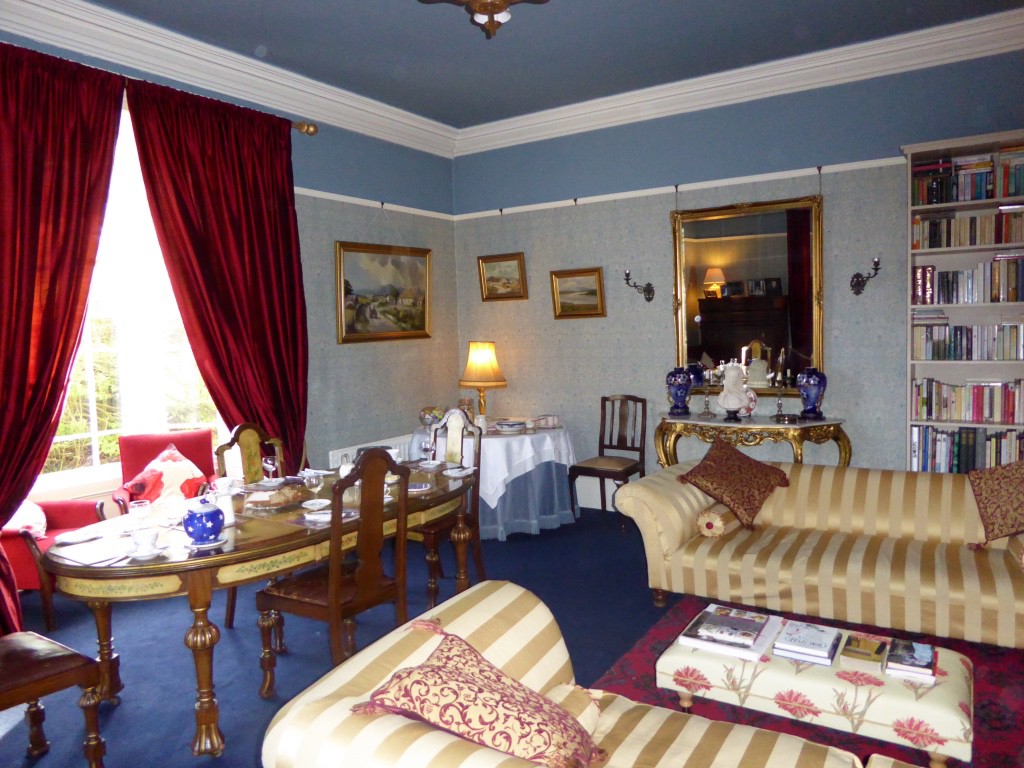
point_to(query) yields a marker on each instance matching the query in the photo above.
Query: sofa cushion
(1000, 499)
(458, 690)
(169, 476)
(735, 479)
(29, 516)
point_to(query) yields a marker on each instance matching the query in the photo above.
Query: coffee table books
(911, 661)
(744, 634)
(864, 653)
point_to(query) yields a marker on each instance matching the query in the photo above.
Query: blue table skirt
(531, 503)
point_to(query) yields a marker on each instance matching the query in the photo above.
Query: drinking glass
(314, 482)
(270, 465)
(138, 514)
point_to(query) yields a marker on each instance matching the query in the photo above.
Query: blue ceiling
(428, 59)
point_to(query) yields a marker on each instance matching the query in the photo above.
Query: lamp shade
(714, 275)
(482, 369)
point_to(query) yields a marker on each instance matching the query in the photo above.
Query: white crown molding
(109, 36)
(985, 36)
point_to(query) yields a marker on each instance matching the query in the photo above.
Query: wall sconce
(714, 279)
(647, 290)
(858, 281)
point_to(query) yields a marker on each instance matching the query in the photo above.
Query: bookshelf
(965, 315)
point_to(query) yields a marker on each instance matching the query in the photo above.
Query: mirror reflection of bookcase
(965, 318)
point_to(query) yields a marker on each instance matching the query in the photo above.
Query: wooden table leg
(110, 664)
(460, 537)
(200, 638)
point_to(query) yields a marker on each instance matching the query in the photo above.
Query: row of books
(968, 177)
(966, 228)
(932, 338)
(999, 402)
(750, 635)
(997, 281)
(963, 449)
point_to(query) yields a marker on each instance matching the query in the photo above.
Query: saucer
(147, 555)
(209, 544)
(317, 517)
(316, 504)
(419, 487)
(349, 514)
(459, 472)
(430, 464)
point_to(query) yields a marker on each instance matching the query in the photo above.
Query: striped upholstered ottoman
(936, 718)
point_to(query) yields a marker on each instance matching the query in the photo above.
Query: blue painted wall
(859, 121)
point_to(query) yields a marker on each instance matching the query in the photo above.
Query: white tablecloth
(533, 502)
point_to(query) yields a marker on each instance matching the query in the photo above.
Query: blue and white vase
(811, 383)
(678, 381)
(203, 521)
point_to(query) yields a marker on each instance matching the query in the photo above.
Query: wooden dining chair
(34, 666)
(457, 427)
(623, 430)
(345, 586)
(253, 444)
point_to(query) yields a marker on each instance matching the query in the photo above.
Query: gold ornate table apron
(750, 432)
(258, 548)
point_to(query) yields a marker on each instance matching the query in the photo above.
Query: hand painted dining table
(260, 545)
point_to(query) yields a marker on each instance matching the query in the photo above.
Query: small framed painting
(773, 286)
(383, 292)
(734, 288)
(578, 293)
(755, 287)
(502, 277)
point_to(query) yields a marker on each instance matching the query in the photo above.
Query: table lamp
(713, 280)
(482, 371)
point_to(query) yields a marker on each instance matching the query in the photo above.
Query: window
(134, 371)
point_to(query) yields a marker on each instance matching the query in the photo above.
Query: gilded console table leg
(110, 664)
(201, 638)
(665, 439)
(845, 448)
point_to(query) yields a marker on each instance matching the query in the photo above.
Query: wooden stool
(33, 666)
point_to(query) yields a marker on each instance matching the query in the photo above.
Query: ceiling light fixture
(487, 14)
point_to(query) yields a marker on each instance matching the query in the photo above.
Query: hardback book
(907, 658)
(864, 653)
(811, 658)
(807, 639)
(728, 630)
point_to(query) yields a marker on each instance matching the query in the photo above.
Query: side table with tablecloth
(524, 481)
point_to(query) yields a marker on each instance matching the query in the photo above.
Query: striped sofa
(879, 547)
(513, 629)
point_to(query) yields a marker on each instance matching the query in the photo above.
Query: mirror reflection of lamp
(714, 278)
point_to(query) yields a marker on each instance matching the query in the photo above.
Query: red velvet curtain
(801, 303)
(58, 125)
(219, 182)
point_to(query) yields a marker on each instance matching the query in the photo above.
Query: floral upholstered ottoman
(937, 718)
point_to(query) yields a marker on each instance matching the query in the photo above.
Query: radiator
(401, 442)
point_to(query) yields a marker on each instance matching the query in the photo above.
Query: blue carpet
(591, 574)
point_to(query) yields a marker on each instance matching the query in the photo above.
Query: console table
(750, 430)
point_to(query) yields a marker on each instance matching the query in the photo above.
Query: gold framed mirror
(748, 284)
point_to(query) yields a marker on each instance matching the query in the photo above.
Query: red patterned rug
(998, 695)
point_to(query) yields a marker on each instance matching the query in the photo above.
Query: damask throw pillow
(168, 476)
(742, 483)
(1000, 499)
(458, 690)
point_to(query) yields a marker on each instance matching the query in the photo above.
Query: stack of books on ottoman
(911, 661)
(744, 634)
(807, 642)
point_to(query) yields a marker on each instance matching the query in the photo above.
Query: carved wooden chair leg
(93, 746)
(268, 658)
(348, 640)
(229, 608)
(35, 715)
(279, 646)
(434, 573)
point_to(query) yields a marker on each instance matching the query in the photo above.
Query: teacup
(145, 540)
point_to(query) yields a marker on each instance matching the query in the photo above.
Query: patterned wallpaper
(364, 391)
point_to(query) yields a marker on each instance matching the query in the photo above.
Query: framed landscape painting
(502, 277)
(383, 292)
(578, 293)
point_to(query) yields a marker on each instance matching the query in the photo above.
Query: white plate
(316, 504)
(321, 472)
(349, 514)
(459, 472)
(209, 544)
(317, 517)
(419, 487)
(265, 485)
(429, 464)
(144, 556)
(75, 537)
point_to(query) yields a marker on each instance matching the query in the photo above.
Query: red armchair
(25, 552)
(137, 451)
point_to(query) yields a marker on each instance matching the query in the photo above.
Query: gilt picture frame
(502, 277)
(577, 293)
(383, 292)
